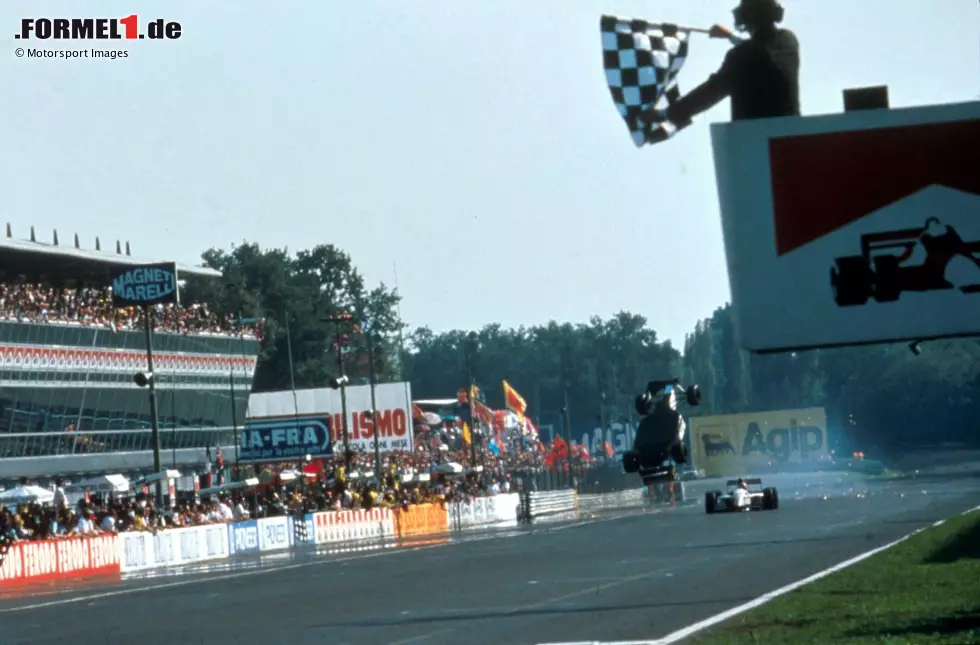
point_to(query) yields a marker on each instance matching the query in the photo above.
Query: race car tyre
(710, 499)
(770, 499)
(644, 404)
(887, 286)
(631, 462)
(693, 393)
(851, 281)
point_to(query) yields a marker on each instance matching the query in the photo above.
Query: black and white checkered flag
(642, 61)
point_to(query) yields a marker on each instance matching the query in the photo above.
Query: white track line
(690, 630)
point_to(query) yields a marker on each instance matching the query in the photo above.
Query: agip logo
(128, 28)
(735, 444)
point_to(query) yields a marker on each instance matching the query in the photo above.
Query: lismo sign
(285, 439)
(145, 284)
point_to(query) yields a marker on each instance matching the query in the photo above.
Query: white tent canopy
(452, 468)
(26, 494)
(102, 484)
(252, 482)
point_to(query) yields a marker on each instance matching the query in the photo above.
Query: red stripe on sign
(823, 182)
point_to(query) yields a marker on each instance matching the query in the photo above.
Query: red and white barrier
(48, 560)
(349, 526)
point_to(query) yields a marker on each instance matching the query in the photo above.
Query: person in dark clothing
(761, 74)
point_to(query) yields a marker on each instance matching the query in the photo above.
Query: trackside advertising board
(285, 439)
(754, 442)
(393, 423)
(861, 227)
(145, 284)
(47, 560)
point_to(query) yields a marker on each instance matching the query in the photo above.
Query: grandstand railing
(35, 444)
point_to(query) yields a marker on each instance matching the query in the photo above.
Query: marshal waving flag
(514, 401)
(642, 61)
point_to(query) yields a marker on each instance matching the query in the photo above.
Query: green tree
(298, 292)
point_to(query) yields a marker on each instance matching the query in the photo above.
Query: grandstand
(68, 403)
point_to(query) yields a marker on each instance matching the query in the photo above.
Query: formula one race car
(881, 271)
(740, 497)
(659, 445)
(666, 488)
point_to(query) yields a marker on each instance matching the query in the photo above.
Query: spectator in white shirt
(108, 523)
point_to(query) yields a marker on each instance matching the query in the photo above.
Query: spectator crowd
(330, 490)
(92, 307)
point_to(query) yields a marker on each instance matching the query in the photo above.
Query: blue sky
(473, 144)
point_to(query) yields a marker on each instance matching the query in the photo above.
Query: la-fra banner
(393, 421)
(286, 439)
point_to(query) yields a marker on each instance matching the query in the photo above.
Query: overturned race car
(741, 497)
(659, 445)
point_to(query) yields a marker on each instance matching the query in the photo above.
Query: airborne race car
(741, 498)
(659, 445)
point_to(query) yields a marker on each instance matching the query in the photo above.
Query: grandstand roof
(37, 260)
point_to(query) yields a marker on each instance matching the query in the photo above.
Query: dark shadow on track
(729, 545)
(522, 613)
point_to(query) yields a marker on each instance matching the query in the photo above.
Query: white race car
(740, 497)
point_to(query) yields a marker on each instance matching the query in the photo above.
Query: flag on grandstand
(607, 447)
(494, 447)
(417, 412)
(482, 413)
(467, 438)
(559, 450)
(514, 401)
(642, 61)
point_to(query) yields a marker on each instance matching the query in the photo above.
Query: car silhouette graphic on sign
(881, 271)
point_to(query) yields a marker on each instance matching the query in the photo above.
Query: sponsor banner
(420, 520)
(620, 436)
(275, 533)
(304, 533)
(48, 560)
(172, 547)
(243, 537)
(36, 358)
(145, 284)
(351, 526)
(739, 444)
(852, 228)
(393, 419)
(290, 439)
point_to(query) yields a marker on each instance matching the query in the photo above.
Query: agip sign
(145, 284)
(738, 444)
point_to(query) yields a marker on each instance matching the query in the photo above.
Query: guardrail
(539, 504)
(483, 511)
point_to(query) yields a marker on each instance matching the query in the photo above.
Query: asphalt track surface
(637, 575)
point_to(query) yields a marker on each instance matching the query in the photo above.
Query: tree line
(881, 397)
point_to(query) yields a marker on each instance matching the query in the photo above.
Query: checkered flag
(642, 60)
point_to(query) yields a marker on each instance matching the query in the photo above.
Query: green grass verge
(924, 590)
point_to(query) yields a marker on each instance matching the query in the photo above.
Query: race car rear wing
(750, 482)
